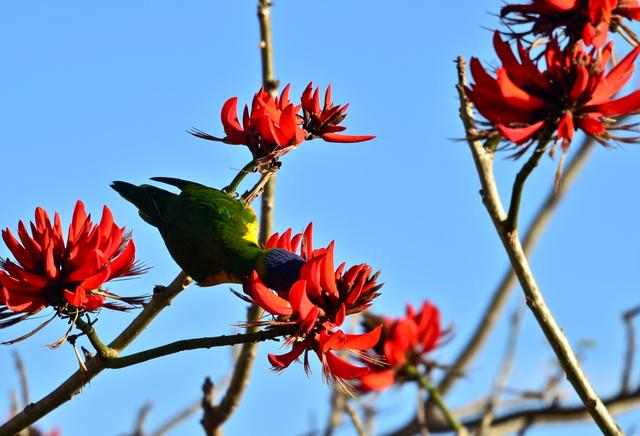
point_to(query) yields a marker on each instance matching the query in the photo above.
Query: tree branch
(534, 298)
(70, 387)
(505, 286)
(516, 195)
(504, 372)
(196, 344)
(355, 419)
(512, 422)
(628, 317)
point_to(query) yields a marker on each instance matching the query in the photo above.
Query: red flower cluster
(589, 20)
(404, 341)
(524, 102)
(323, 122)
(66, 276)
(273, 126)
(317, 304)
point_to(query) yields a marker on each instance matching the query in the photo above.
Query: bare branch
(178, 418)
(355, 419)
(338, 404)
(504, 371)
(70, 387)
(143, 413)
(535, 300)
(627, 318)
(22, 376)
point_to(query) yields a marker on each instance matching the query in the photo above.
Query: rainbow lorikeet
(211, 235)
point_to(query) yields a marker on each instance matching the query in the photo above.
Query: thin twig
(233, 186)
(534, 298)
(198, 343)
(355, 419)
(70, 387)
(425, 383)
(421, 414)
(178, 418)
(628, 317)
(24, 390)
(22, 376)
(503, 373)
(143, 413)
(102, 349)
(518, 185)
(208, 404)
(338, 403)
(506, 285)
(511, 422)
(216, 416)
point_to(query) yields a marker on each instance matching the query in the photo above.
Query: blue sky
(95, 92)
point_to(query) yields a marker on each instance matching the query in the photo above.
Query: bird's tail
(149, 200)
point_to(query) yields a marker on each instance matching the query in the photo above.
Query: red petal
(29, 243)
(92, 262)
(288, 125)
(307, 242)
(295, 242)
(615, 79)
(306, 99)
(620, 106)
(309, 321)
(516, 96)
(340, 368)
(364, 341)
(299, 300)
(378, 381)
(36, 281)
(327, 274)
(566, 127)
(285, 240)
(282, 361)
(77, 222)
(340, 315)
(591, 125)
(75, 298)
(96, 280)
(19, 286)
(229, 116)
(272, 242)
(338, 137)
(265, 298)
(50, 268)
(284, 96)
(327, 97)
(311, 272)
(561, 5)
(520, 134)
(580, 83)
(21, 302)
(121, 265)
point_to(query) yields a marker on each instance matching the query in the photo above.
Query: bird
(210, 234)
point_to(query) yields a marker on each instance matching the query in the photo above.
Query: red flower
(323, 122)
(269, 130)
(404, 341)
(318, 303)
(523, 102)
(589, 20)
(47, 272)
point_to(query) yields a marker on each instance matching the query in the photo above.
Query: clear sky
(98, 91)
